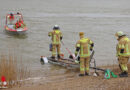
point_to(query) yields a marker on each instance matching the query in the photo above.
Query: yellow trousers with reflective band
(54, 48)
(84, 65)
(123, 63)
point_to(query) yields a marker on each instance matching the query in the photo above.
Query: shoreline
(74, 82)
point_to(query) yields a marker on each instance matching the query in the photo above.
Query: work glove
(91, 49)
(76, 61)
(78, 58)
(92, 45)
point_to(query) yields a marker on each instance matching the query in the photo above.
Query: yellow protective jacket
(56, 35)
(85, 45)
(123, 44)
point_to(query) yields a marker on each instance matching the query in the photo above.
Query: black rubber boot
(123, 74)
(86, 74)
(58, 56)
(81, 75)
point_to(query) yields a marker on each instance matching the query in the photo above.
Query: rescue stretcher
(68, 63)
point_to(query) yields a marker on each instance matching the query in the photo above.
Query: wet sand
(84, 83)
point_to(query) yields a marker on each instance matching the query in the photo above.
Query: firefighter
(84, 45)
(56, 37)
(123, 52)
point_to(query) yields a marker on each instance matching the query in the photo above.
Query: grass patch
(13, 71)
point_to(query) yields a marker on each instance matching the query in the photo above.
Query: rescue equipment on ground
(70, 64)
(108, 74)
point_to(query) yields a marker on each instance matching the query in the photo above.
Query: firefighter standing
(84, 45)
(56, 36)
(123, 52)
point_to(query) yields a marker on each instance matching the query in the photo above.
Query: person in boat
(123, 52)
(22, 23)
(56, 36)
(17, 25)
(11, 18)
(84, 45)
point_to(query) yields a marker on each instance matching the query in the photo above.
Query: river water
(99, 19)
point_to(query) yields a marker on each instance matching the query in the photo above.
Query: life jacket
(124, 43)
(18, 25)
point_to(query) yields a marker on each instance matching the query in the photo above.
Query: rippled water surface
(99, 19)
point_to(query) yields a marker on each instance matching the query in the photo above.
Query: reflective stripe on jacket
(17, 25)
(84, 44)
(55, 34)
(124, 43)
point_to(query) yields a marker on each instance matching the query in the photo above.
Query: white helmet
(119, 34)
(56, 27)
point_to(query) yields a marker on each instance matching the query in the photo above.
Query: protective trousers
(54, 47)
(123, 63)
(84, 65)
